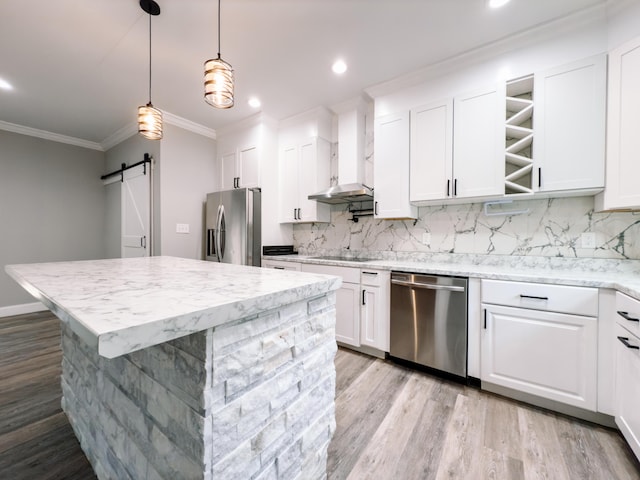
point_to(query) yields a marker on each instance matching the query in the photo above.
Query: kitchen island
(176, 368)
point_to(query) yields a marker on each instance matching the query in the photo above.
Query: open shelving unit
(519, 136)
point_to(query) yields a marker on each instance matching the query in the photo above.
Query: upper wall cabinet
(304, 170)
(569, 124)
(240, 168)
(431, 151)
(623, 127)
(391, 167)
(240, 151)
(478, 143)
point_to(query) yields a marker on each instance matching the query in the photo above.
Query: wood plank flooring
(399, 424)
(36, 440)
(392, 423)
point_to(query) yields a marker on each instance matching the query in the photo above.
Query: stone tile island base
(251, 399)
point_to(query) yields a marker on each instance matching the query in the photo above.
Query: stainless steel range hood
(351, 192)
(351, 138)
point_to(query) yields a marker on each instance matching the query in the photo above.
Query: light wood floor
(399, 424)
(392, 423)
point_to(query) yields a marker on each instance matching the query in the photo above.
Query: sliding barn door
(136, 212)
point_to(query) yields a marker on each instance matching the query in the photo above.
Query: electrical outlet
(182, 228)
(426, 239)
(588, 240)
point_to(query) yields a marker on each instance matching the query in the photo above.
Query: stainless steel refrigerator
(234, 227)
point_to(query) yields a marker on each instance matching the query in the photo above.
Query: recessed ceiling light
(339, 67)
(254, 102)
(4, 85)
(498, 3)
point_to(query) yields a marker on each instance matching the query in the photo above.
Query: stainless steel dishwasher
(429, 321)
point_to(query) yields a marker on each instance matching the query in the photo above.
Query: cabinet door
(288, 184)
(478, 143)
(623, 125)
(569, 125)
(431, 153)
(313, 176)
(348, 314)
(391, 167)
(374, 318)
(627, 393)
(248, 167)
(228, 172)
(551, 355)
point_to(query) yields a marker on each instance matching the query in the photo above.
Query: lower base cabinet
(542, 340)
(362, 305)
(348, 314)
(627, 389)
(551, 355)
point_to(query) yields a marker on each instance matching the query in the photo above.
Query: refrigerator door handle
(210, 241)
(217, 233)
(221, 230)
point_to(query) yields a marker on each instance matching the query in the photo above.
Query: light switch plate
(182, 228)
(588, 240)
(426, 239)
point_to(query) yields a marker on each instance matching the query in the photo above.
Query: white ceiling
(80, 67)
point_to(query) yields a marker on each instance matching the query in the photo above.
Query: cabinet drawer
(373, 278)
(281, 265)
(628, 312)
(350, 275)
(540, 296)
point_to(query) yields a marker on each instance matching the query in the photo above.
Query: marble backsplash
(551, 228)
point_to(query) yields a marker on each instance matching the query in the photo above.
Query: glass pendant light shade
(150, 122)
(149, 117)
(218, 83)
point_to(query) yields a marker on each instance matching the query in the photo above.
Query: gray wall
(51, 206)
(187, 174)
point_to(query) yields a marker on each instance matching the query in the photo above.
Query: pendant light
(218, 79)
(149, 117)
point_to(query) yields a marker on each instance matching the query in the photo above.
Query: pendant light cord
(218, 28)
(149, 59)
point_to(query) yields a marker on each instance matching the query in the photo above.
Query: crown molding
(185, 124)
(547, 30)
(54, 137)
(119, 136)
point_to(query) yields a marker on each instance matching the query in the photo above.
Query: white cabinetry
(347, 301)
(569, 121)
(362, 305)
(391, 167)
(304, 170)
(240, 168)
(478, 143)
(623, 125)
(627, 390)
(374, 313)
(431, 151)
(242, 149)
(281, 265)
(541, 340)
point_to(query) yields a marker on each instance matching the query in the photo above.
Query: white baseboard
(21, 309)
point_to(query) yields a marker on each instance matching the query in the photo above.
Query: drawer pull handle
(369, 273)
(533, 297)
(279, 268)
(625, 341)
(626, 316)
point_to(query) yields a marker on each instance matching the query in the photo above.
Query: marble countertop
(621, 275)
(123, 305)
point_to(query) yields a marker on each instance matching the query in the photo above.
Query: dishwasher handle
(428, 286)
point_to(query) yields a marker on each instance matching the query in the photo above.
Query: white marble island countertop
(123, 305)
